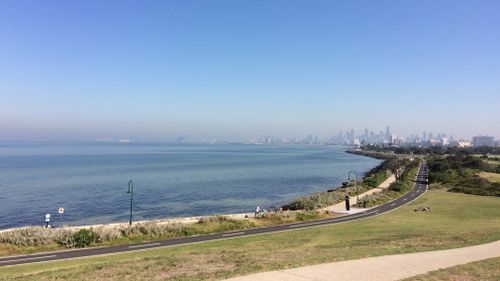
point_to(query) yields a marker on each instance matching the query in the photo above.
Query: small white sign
(47, 217)
(61, 210)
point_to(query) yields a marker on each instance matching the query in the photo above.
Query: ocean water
(90, 180)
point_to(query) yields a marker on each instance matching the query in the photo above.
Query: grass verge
(456, 220)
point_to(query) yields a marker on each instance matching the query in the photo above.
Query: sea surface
(90, 180)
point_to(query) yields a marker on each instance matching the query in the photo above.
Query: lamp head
(130, 186)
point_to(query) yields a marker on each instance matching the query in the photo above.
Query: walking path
(354, 200)
(384, 268)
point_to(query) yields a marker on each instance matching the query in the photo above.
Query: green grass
(456, 220)
(485, 270)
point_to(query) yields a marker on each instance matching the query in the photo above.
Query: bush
(302, 203)
(84, 238)
(213, 219)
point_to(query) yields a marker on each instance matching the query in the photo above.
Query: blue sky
(155, 70)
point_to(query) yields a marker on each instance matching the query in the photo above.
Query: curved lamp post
(131, 191)
(355, 184)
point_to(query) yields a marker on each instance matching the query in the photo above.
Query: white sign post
(61, 212)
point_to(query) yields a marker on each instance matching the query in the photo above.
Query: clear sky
(234, 69)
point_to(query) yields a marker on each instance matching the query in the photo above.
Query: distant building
(461, 143)
(483, 141)
(444, 141)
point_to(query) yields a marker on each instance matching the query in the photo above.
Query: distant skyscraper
(483, 141)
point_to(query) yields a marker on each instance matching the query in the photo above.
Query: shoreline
(195, 219)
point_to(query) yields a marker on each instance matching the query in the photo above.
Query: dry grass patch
(492, 177)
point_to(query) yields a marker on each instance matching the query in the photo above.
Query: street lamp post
(355, 184)
(131, 191)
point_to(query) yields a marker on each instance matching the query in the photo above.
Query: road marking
(393, 204)
(404, 199)
(233, 234)
(306, 224)
(341, 219)
(25, 259)
(144, 245)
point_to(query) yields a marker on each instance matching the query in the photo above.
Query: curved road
(419, 188)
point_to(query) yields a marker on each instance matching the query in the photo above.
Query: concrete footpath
(393, 267)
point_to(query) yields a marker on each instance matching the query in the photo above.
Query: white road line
(337, 220)
(306, 224)
(404, 199)
(144, 245)
(393, 204)
(26, 259)
(233, 234)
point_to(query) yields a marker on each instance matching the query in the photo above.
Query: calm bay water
(90, 180)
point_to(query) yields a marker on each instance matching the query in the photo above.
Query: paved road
(419, 188)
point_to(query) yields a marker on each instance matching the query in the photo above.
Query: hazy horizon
(234, 70)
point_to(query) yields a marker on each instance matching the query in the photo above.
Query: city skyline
(230, 70)
(343, 137)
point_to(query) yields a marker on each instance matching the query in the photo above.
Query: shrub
(213, 219)
(84, 238)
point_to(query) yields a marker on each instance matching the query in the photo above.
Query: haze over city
(235, 70)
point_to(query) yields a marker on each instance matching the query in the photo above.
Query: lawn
(456, 220)
(492, 177)
(485, 270)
